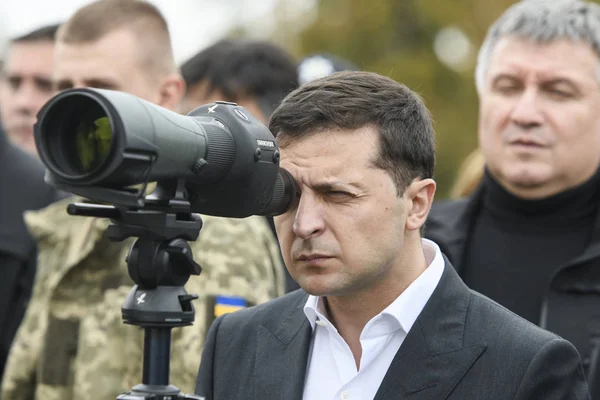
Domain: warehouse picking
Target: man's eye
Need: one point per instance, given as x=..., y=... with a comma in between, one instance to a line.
x=339, y=194
x=507, y=89
x=44, y=86
x=559, y=94
x=14, y=83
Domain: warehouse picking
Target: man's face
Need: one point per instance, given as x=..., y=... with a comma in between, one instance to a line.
x=112, y=62
x=346, y=231
x=539, y=121
x=25, y=86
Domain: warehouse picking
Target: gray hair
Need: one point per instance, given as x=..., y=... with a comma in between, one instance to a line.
x=542, y=21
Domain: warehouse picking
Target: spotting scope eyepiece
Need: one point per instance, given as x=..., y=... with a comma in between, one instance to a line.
x=108, y=145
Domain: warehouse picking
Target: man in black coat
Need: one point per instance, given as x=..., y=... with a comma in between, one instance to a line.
x=381, y=313
x=22, y=188
x=529, y=237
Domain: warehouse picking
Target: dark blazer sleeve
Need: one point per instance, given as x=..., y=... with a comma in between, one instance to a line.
x=555, y=373
x=205, y=379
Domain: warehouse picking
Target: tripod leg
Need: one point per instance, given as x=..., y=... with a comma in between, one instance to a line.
x=157, y=355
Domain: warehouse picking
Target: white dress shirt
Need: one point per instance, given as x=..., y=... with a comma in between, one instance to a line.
x=332, y=372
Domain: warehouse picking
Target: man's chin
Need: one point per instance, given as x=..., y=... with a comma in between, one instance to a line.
x=527, y=184
x=320, y=287
x=329, y=287
x=526, y=175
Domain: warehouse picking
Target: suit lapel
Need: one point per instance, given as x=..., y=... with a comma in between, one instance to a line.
x=432, y=358
x=282, y=355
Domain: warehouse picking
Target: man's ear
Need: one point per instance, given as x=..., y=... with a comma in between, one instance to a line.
x=171, y=92
x=420, y=197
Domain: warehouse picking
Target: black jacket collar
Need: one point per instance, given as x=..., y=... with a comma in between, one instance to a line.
x=451, y=221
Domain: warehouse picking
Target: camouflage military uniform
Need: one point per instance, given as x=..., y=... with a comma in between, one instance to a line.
x=72, y=343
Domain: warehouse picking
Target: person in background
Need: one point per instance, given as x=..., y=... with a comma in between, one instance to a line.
x=22, y=188
x=529, y=236
x=26, y=84
x=255, y=74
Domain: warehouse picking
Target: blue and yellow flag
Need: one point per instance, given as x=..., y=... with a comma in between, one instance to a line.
x=228, y=304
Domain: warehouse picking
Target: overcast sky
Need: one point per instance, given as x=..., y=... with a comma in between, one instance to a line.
x=194, y=24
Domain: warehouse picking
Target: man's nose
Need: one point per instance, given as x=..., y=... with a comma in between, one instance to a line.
x=526, y=111
x=308, y=221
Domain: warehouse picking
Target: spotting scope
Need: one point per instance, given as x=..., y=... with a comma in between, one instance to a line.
x=108, y=146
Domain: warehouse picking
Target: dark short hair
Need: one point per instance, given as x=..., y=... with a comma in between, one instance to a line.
x=199, y=67
x=45, y=33
x=351, y=100
x=240, y=68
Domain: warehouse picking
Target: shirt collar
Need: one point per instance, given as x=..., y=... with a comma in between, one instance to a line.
x=407, y=307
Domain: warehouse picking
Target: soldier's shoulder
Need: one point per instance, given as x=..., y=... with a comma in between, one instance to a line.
x=250, y=224
x=253, y=229
x=272, y=311
x=54, y=220
x=57, y=209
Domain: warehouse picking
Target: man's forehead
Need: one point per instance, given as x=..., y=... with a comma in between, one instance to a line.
x=340, y=156
x=119, y=46
x=29, y=47
x=29, y=55
x=334, y=141
x=324, y=176
x=561, y=58
x=91, y=61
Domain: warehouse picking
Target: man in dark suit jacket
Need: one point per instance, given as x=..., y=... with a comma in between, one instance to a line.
x=381, y=314
x=529, y=236
x=22, y=188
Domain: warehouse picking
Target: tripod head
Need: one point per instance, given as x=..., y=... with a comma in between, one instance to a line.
x=160, y=262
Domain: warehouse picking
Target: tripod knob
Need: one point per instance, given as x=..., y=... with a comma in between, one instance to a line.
x=186, y=301
x=180, y=252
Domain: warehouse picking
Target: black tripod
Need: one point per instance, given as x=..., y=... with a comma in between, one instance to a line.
x=160, y=262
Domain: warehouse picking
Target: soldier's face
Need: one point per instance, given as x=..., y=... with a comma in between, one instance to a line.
x=25, y=86
x=112, y=62
x=539, y=123
x=347, y=229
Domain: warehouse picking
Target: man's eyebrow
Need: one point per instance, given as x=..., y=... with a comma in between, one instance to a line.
x=63, y=84
x=559, y=81
x=43, y=81
x=66, y=83
x=101, y=83
x=13, y=78
x=334, y=185
x=506, y=75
